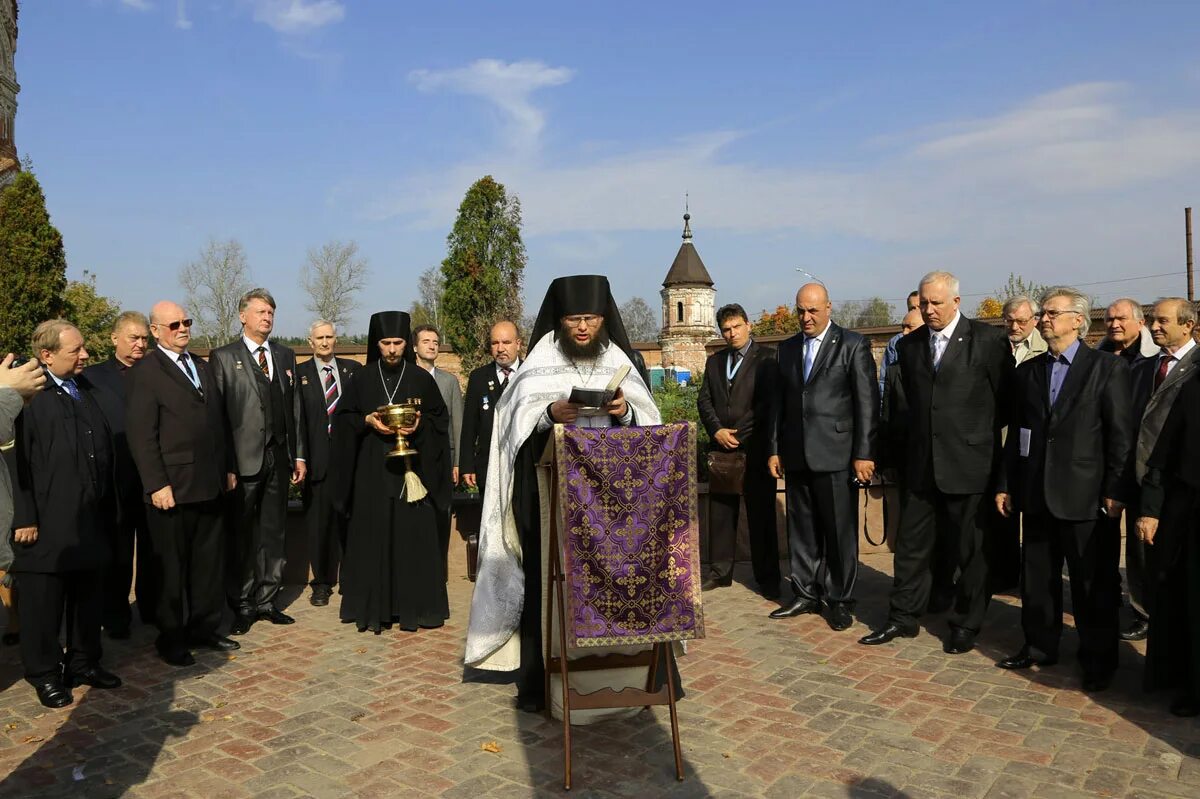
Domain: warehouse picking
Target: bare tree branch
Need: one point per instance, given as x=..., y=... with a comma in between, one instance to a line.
x=332, y=276
x=213, y=284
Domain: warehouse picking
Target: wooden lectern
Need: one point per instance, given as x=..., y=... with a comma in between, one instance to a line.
x=659, y=655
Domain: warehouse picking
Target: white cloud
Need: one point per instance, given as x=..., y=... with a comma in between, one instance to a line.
x=182, y=22
x=138, y=5
x=298, y=16
x=508, y=86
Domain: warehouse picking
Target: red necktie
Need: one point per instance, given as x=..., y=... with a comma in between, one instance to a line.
x=1163, y=364
x=262, y=361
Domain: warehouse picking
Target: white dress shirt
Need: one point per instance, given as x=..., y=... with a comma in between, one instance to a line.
x=1178, y=354
x=940, y=339
x=253, y=347
x=191, y=373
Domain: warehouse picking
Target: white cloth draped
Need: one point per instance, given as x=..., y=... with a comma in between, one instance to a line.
x=546, y=376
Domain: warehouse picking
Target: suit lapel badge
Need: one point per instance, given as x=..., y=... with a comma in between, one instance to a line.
x=304, y=380
x=491, y=385
x=288, y=372
x=237, y=364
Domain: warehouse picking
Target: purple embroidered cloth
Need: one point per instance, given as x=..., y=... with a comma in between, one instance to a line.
x=629, y=532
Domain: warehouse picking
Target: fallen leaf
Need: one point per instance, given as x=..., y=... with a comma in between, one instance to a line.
x=725, y=754
x=491, y=746
x=32, y=739
x=12, y=725
x=233, y=657
x=361, y=650
x=228, y=718
x=219, y=704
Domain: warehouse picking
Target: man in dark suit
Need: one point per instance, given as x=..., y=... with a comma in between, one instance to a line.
x=952, y=378
x=484, y=387
x=130, y=334
x=64, y=508
x=1066, y=465
x=734, y=404
x=824, y=420
x=257, y=379
x=427, y=344
x=175, y=425
x=323, y=381
x=1156, y=384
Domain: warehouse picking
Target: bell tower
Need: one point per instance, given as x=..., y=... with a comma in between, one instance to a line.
x=688, y=316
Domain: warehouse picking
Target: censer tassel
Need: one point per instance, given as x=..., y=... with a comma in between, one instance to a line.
x=414, y=489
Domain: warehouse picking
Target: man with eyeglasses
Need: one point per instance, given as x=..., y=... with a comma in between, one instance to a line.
x=1021, y=315
x=179, y=440
x=579, y=341
x=130, y=335
x=257, y=379
x=1066, y=462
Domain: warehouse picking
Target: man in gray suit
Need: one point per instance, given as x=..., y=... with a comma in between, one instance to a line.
x=427, y=343
x=1156, y=384
x=823, y=428
x=257, y=379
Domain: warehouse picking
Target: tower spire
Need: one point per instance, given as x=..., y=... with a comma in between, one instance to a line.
x=687, y=227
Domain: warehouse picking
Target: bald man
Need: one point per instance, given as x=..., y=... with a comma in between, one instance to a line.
x=823, y=427
x=484, y=387
x=180, y=442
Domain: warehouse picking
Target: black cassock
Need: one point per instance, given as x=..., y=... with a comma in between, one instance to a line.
x=391, y=572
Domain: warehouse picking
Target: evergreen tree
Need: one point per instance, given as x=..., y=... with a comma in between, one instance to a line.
x=33, y=263
x=93, y=314
x=483, y=269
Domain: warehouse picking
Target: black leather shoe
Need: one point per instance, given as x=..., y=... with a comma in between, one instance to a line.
x=217, y=643
x=94, y=676
x=799, y=607
x=1095, y=683
x=176, y=657
x=276, y=616
x=712, y=582
x=886, y=634
x=320, y=596
x=959, y=642
x=1185, y=707
x=241, y=624
x=52, y=693
x=1024, y=659
x=840, y=617
x=1136, y=631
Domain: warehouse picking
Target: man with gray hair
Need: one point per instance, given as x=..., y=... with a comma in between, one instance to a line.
x=1128, y=335
x=1021, y=315
x=257, y=379
x=1156, y=384
x=130, y=335
x=1066, y=469
x=323, y=382
x=945, y=416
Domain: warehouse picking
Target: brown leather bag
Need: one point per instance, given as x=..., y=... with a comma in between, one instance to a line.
x=726, y=472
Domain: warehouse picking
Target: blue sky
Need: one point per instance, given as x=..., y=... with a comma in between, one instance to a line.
x=867, y=143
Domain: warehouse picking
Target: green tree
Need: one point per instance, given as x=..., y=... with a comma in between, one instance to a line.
x=782, y=321
x=874, y=312
x=677, y=403
x=92, y=313
x=33, y=263
x=483, y=269
x=431, y=285
x=1016, y=286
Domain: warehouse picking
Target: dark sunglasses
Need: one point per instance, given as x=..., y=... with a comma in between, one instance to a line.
x=177, y=324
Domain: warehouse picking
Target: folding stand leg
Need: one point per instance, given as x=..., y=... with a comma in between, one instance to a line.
x=672, y=671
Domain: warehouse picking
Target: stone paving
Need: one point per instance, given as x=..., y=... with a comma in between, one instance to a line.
x=773, y=709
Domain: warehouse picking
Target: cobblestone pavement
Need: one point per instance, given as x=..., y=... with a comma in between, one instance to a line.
x=773, y=709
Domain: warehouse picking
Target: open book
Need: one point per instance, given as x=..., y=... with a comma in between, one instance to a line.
x=594, y=398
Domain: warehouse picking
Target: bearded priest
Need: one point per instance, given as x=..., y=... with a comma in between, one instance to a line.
x=578, y=341
x=392, y=570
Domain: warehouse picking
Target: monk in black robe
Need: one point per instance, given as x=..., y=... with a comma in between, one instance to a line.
x=1170, y=523
x=392, y=572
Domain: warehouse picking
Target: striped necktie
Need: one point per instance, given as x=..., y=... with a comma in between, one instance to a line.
x=262, y=362
x=331, y=398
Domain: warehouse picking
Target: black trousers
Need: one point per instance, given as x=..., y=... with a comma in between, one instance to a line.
x=930, y=519
x=326, y=533
x=1092, y=550
x=1002, y=539
x=189, y=548
x=724, y=509
x=258, y=553
x=129, y=534
x=443, y=534
x=822, y=523
x=1135, y=565
x=52, y=602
